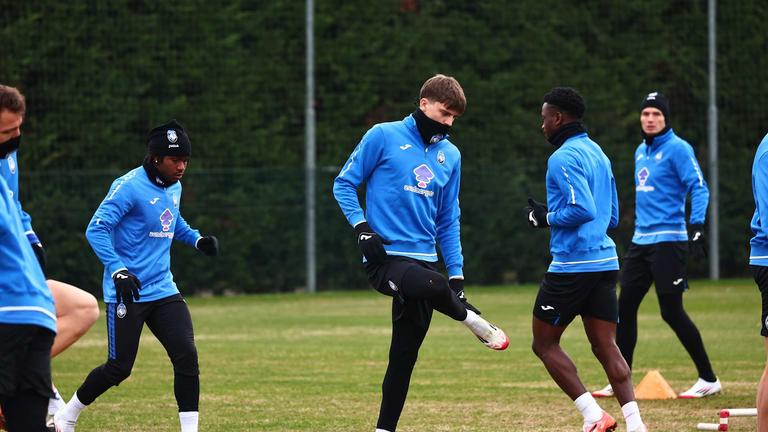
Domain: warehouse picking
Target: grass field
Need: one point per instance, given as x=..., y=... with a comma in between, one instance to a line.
x=315, y=363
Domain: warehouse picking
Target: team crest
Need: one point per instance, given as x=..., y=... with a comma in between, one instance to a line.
x=172, y=137
x=440, y=157
x=11, y=164
x=121, y=310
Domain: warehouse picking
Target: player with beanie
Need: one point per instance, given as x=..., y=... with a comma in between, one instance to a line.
x=131, y=233
x=666, y=173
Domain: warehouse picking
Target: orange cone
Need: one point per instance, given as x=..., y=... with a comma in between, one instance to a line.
x=653, y=386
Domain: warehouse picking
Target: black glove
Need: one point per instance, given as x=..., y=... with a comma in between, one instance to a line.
x=697, y=243
x=537, y=213
x=209, y=245
x=457, y=285
x=127, y=286
x=370, y=243
x=37, y=247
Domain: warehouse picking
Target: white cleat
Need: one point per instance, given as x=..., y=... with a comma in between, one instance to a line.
x=606, y=391
x=702, y=389
x=62, y=424
x=492, y=337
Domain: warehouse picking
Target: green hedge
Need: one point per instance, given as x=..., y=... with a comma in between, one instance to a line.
x=98, y=75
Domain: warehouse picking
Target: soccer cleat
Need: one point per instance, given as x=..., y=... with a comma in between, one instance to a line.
x=61, y=424
x=490, y=335
x=605, y=424
x=702, y=389
x=606, y=391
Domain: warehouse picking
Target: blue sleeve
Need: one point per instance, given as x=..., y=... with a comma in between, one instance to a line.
x=614, y=205
x=448, y=225
x=760, y=188
x=569, y=175
x=690, y=175
x=109, y=214
x=182, y=232
x=355, y=172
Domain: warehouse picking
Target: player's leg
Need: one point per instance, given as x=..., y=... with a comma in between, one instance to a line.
x=760, y=274
x=124, y=325
x=25, y=376
x=669, y=273
x=419, y=282
x=762, y=396
x=171, y=322
x=636, y=280
x=408, y=332
x=76, y=311
x=599, y=318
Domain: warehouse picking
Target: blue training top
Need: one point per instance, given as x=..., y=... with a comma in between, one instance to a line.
x=133, y=229
x=9, y=170
x=758, y=254
x=583, y=204
x=24, y=294
x=665, y=173
x=412, y=192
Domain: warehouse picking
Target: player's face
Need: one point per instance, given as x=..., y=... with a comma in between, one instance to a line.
x=551, y=119
x=172, y=167
x=10, y=125
x=652, y=120
x=438, y=112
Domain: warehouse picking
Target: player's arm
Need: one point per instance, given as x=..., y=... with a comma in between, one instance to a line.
x=208, y=245
x=448, y=226
x=761, y=190
x=355, y=172
x=572, y=183
x=117, y=204
x=691, y=176
x=34, y=241
x=614, y=204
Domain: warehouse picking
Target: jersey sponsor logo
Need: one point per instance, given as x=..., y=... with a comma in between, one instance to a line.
x=677, y=282
x=364, y=237
x=11, y=164
x=440, y=157
x=153, y=200
x=392, y=286
x=547, y=307
x=424, y=175
x=172, y=137
x=766, y=322
x=166, y=219
x=642, y=178
x=405, y=147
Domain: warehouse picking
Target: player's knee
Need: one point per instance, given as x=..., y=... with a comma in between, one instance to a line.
x=116, y=372
x=404, y=356
x=185, y=362
x=88, y=312
x=672, y=316
x=541, y=348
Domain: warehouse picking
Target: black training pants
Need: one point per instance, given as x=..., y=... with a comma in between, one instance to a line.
x=170, y=321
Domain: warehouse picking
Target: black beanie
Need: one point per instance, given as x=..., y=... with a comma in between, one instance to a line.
x=169, y=139
x=658, y=101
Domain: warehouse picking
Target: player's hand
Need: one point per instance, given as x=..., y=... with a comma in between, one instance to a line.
x=697, y=242
x=209, y=245
x=127, y=286
x=457, y=286
x=536, y=213
x=37, y=247
x=370, y=243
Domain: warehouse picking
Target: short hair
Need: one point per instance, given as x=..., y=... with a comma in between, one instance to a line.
x=446, y=90
x=12, y=100
x=568, y=100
